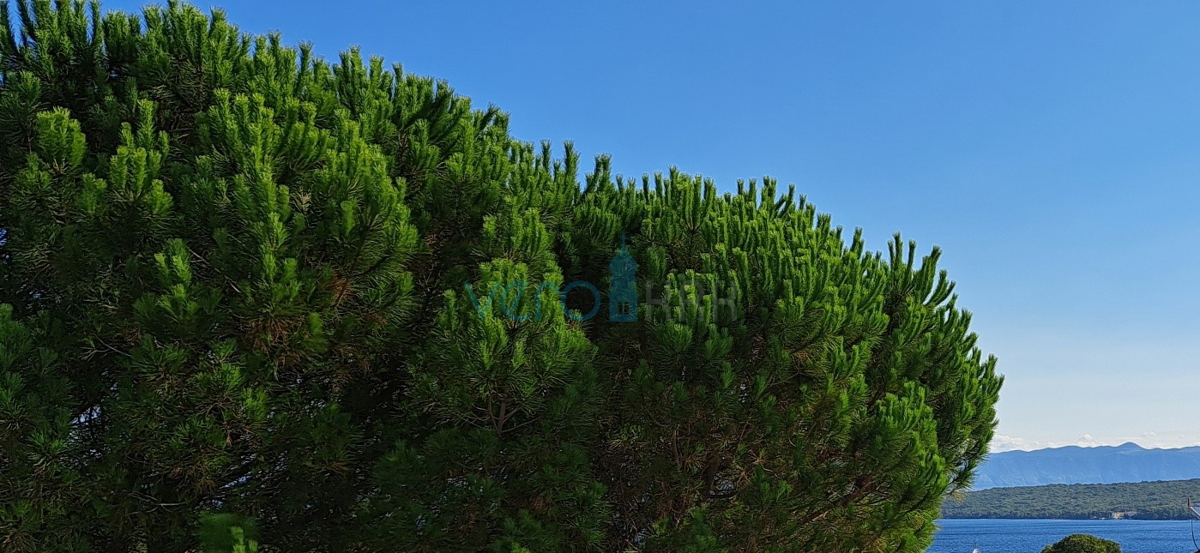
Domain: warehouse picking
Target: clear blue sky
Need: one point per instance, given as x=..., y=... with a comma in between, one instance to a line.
x=1052, y=149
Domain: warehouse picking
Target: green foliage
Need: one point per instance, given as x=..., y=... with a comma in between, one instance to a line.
x=233, y=283
x=1141, y=500
x=1083, y=543
x=225, y=533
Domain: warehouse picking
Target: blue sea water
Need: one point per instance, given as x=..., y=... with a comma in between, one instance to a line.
x=1030, y=536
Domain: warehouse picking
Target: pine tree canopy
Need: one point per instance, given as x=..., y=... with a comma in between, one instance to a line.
x=245, y=292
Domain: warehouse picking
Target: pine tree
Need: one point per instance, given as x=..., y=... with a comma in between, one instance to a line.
x=240, y=283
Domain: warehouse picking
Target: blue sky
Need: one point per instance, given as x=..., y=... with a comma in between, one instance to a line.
x=1052, y=149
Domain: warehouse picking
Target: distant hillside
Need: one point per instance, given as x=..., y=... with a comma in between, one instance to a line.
x=1143, y=500
x=1087, y=465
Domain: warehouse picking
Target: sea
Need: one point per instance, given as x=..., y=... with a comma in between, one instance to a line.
x=1030, y=536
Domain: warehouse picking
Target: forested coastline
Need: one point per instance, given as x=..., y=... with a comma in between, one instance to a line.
x=1166, y=500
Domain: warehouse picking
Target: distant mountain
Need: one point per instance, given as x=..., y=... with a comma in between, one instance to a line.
x=1087, y=465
